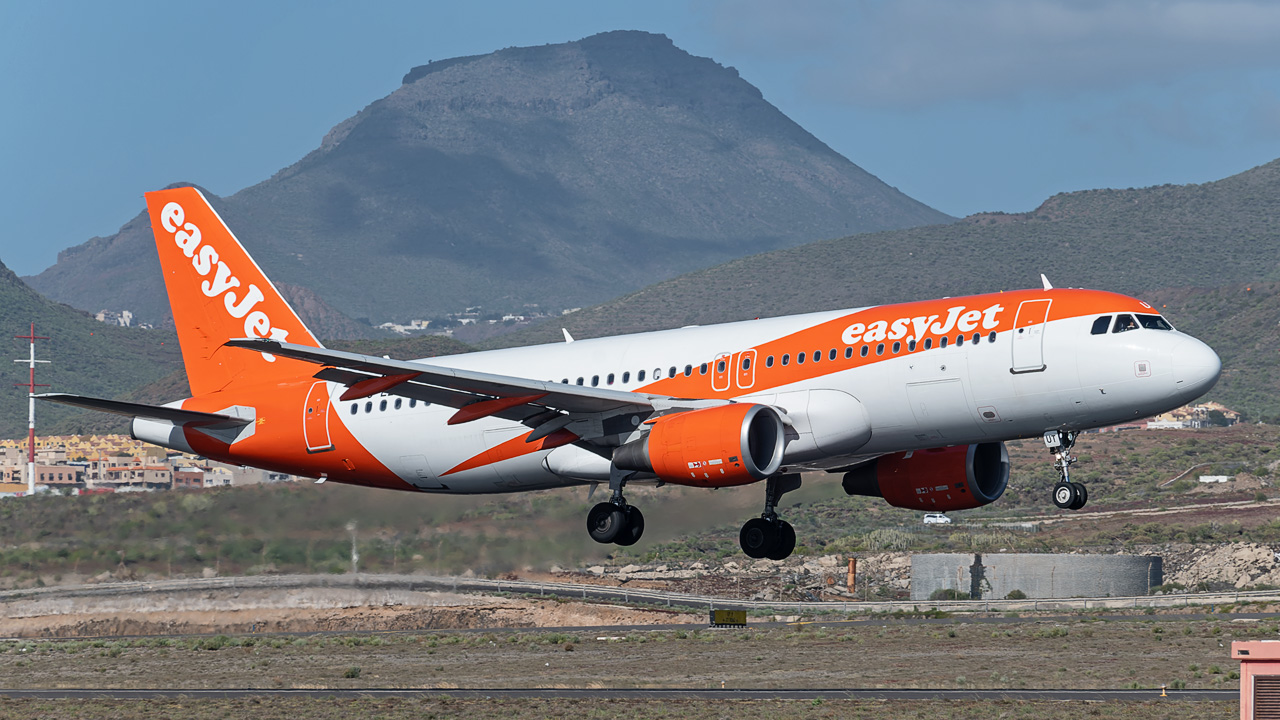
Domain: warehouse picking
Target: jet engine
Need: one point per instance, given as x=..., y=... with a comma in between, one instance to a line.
x=718, y=446
x=941, y=479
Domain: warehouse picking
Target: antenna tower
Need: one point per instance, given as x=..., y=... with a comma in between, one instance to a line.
x=31, y=386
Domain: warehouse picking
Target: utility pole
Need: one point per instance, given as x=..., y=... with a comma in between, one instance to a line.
x=31, y=406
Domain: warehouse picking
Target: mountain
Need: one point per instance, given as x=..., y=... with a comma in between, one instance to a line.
x=1132, y=241
x=86, y=357
x=559, y=175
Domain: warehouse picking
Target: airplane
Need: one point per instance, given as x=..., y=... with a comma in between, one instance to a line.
x=911, y=402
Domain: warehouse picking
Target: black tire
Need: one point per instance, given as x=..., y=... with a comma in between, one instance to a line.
x=1082, y=496
x=630, y=534
x=605, y=522
x=758, y=537
x=786, y=542
x=1064, y=495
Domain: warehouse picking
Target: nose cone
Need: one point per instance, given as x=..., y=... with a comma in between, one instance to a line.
x=1196, y=368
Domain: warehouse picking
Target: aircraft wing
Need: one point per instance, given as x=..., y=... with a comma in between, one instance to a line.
x=504, y=396
x=156, y=412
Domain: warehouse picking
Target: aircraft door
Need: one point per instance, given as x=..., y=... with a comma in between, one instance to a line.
x=722, y=370
x=1028, y=336
x=315, y=419
x=746, y=364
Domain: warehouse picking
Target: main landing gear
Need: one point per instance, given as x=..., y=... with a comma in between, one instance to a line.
x=1066, y=494
x=615, y=521
x=768, y=536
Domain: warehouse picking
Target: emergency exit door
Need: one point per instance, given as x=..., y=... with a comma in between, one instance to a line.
x=315, y=419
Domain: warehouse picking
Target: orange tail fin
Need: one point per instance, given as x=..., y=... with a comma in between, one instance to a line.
x=218, y=293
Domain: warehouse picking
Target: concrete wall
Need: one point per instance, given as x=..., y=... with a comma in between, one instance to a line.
x=993, y=576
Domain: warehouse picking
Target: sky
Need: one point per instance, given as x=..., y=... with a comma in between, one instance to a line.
x=968, y=107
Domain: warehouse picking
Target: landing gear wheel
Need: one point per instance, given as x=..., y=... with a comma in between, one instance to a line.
x=758, y=537
x=1064, y=495
x=1082, y=495
x=786, y=542
x=606, y=522
x=633, y=529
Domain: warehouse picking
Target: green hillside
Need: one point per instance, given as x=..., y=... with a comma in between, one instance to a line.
x=87, y=356
x=1131, y=241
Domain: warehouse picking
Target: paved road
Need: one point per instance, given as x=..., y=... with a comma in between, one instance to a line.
x=648, y=694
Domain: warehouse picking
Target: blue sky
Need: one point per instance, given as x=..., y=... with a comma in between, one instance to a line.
x=966, y=106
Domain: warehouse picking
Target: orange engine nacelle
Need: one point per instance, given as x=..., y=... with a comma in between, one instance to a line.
x=714, y=447
x=942, y=479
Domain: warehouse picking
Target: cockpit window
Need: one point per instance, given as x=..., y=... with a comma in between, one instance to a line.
x=1124, y=323
x=1154, y=322
x=1100, y=325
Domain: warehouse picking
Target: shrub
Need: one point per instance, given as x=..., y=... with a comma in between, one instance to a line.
x=947, y=594
x=352, y=672
x=1016, y=595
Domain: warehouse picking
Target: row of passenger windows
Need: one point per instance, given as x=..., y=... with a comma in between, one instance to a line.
x=800, y=359
x=382, y=405
x=1127, y=322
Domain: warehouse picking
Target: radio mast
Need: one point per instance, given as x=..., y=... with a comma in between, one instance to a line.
x=31, y=386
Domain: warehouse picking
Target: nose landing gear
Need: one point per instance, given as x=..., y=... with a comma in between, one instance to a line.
x=769, y=536
x=1067, y=495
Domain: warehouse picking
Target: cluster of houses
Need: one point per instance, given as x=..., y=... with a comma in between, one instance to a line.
x=115, y=463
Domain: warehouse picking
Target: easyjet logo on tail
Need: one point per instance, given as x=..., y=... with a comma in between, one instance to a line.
x=960, y=318
x=239, y=302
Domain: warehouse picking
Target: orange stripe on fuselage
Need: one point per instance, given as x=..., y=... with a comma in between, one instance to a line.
x=515, y=447
x=278, y=442
x=929, y=319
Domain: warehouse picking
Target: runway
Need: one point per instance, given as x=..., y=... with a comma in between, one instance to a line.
x=642, y=694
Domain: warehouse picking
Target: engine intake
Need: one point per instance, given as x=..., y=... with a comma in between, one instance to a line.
x=942, y=479
x=713, y=447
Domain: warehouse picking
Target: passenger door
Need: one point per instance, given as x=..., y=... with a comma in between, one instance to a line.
x=1028, y=336
x=315, y=419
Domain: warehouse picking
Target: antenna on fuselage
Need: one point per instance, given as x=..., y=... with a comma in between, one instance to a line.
x=1047, y=285
x=567, y=337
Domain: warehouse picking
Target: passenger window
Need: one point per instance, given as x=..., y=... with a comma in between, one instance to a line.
x=626, y=377
x=382, y=406
x=672, y=372
x=942, y=342
x=355, y=408
x=368, y=407
x=1100, y=325
x=1154, y=322
x=768, y=362
x=865, y=350
x=609, y=380
x=702, y=369
x=413, y=403
x=911, y=345
x=786, y=359
x=897, y=346
x=565, y=381
x=831, y=355
x=992, y=337
x=579, y=381
x=397, y=403
x=817, y=355
x=959, y=340
x=1125, y=323
x=720, y=366
x=800, y=358
x=746, y=363
x=688, y=370
x=928, y=343
x=640, y=376
x=595, y=381
x=848, y=353
x=977, y=338
x=880, y=349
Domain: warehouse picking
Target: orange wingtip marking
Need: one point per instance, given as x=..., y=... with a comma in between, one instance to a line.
x=485, y=408
x=515, y=447
x=373, y=386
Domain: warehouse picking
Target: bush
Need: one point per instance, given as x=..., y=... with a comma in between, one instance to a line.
x=947, y=594
x=352, y=672
x=1016, y=595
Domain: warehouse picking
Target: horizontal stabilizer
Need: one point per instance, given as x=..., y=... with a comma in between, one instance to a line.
x=155, y=412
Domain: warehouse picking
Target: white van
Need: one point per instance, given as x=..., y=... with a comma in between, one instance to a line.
x=936, y=519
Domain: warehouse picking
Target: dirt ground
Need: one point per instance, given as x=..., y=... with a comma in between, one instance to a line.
x=304, y=610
